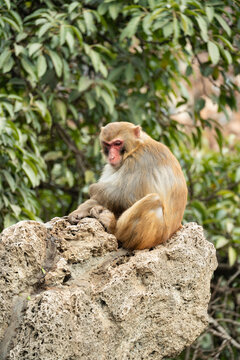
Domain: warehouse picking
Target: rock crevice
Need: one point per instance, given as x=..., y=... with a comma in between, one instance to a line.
x=68, y=292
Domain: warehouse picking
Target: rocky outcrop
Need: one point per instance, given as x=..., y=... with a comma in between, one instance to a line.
x=67, y=293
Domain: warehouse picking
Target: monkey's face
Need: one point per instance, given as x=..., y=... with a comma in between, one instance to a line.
x=114, y=151
x=117, y=139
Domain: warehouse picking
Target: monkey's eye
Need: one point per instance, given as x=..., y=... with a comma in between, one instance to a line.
x=106, y=145
x=118, y=143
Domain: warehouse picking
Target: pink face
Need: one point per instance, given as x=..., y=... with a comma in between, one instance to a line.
x=113, y=151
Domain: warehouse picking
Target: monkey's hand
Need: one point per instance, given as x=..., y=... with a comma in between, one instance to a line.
x=105, y=217
x=82, y=211
x=75, y=216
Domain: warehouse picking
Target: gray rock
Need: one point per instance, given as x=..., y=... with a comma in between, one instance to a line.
x=67, y=293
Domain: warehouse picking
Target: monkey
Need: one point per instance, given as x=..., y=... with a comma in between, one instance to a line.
x=142, y=193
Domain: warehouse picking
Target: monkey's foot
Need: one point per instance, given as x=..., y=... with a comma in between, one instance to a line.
x=105, y=217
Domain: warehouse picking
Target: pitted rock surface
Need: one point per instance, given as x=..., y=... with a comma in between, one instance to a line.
x=67, y=292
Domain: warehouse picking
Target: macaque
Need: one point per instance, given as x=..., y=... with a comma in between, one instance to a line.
x=141, y=194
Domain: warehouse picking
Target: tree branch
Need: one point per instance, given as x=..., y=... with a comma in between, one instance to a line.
x=221, y=332
x=80, y=159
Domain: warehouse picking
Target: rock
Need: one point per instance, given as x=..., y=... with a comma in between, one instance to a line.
x=68, y=293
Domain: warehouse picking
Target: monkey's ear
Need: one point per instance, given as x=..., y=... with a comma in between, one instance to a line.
x=137, y=131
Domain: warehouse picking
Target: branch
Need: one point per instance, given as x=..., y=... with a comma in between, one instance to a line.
x=209, y=78
x=221, y=332
x=214, y=195
x=72, y=146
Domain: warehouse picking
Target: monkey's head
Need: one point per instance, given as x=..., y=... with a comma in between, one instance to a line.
x=117, y=139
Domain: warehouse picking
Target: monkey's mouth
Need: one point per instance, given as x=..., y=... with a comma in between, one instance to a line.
x=116, y=164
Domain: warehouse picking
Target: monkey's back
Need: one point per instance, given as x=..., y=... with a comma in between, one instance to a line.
x=150, y=169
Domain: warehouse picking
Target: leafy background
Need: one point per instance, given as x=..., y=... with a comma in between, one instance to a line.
x=68, y=67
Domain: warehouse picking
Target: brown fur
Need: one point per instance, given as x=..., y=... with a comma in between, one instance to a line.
x=146, y=192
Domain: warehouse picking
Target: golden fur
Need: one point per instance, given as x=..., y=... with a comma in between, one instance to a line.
x=146, y=192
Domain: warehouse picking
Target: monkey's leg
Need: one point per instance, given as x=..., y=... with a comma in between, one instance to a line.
x=142, y=226
x=82, y=211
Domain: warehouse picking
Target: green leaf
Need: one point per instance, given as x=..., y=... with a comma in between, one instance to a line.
x=53, y=155
x=227, y=56
x=8, y=65
x=8, y=3
x=61, y=109
x=88, y=18
x=29, y=68
x=84, y=83
x=16, y=209
x=114, y=10
x=199, y=104
x=18, y=106
x=146, y=24
x=210, y=13
x=43, y=110
x=129, y=73
x=221, y=241
x=28, y=169
x=200, y=206
x=8, y=220
x=226, y=42
x=78, y=34
x=43, y=29
x=8, y=107
x=17, y=18
x=102, y=8
x=103, y=70
x=90, y=101
x=175, y=28
x=203, y=27
x=116, y=73
x=109, y=101
x=57, y=62
x=18, y=49
x=226, y=193
x=63, y=30
x=223, y=23
x=10, y=180
x=219, y=137
x=41, y=65
x=70, y=40
x=89, y=177
x=213, y=52
x=168, y=30
x=186, y=24
x=73, y=6
x=131, y=28
x=232, y=255
x=4, y=57
x=29, y=213
x=237, y=175
x=32, y=48
x=11, y=22
x=95, y=58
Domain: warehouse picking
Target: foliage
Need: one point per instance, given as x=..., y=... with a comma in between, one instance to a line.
x=67, y=67
x=214, y=197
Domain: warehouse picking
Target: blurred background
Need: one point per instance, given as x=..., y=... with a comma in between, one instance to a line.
x=69, y=67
